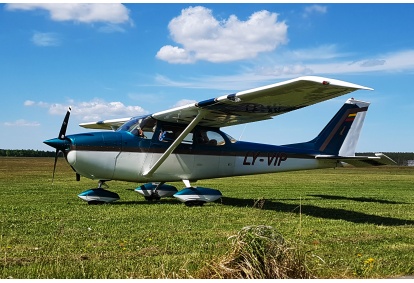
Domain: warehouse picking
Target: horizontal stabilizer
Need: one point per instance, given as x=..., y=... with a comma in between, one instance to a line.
x=361, y=161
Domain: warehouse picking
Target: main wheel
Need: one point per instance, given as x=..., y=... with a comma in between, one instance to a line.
x=195, y=203
x=153, y=197
x=95, y=202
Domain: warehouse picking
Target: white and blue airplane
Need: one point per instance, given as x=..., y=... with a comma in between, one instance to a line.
x=186, y=143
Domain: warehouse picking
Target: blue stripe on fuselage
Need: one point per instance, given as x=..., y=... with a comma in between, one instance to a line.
x=126, y=142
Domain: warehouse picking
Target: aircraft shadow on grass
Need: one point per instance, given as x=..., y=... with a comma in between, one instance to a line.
x=315, y=211
x=310, y=210
x=359, y=199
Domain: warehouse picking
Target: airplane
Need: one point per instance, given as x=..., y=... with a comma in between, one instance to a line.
x=187, y=144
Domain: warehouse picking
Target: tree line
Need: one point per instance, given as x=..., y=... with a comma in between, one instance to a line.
x=26, y=153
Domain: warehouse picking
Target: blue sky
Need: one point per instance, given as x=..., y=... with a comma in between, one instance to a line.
x=120, y=60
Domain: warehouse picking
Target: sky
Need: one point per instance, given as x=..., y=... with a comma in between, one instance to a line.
x=121, y=60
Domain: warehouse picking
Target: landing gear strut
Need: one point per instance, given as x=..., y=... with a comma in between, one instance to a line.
x=154, y=196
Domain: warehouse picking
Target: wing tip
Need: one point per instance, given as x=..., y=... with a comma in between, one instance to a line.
x=329, y=81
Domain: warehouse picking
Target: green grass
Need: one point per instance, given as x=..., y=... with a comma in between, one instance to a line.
x=347, y=222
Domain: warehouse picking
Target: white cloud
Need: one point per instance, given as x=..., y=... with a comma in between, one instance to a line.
x=175, y=55
x=29, y=103
x=315, y=9
x=342, y=64
x=22, y=123
x=392, y=62
x=45, y=39
x=79, y=12
x=372, y=63
x=323, y=52
x=203, y=37
x=285, y=70
x=163, y=80
x=268, y=71
x=96, y=109
x=183, y=102
x=111, y=28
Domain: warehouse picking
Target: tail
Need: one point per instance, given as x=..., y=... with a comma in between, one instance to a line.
x=340, y=136
x=338, y=140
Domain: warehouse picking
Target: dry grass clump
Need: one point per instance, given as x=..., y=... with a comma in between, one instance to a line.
x=258, y=252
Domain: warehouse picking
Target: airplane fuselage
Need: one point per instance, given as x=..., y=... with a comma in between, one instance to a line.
x=123, y=156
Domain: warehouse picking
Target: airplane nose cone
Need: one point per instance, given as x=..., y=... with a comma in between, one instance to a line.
x=58, y=143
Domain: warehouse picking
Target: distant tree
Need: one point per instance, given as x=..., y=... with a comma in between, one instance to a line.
x=26, y=153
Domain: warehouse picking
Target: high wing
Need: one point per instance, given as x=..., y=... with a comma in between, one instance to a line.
x=112, y=124
x=250, y=105
x=260, y=103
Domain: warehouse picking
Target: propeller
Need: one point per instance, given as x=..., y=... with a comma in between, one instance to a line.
x=62, y=133
x=60, y=143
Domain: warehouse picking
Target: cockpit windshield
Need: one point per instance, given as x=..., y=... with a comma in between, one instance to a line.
x=143, y=126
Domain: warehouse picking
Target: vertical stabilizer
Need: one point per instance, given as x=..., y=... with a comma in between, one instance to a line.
x=340, y=136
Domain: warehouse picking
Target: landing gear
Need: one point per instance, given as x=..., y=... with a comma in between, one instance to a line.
x=95, y=202
x=190, y=196
x=99, y=195
x=194, y=203
x=156, y=191
x=153, y=197
x=197, y=196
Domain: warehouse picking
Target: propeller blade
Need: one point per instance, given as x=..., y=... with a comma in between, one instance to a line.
x=60, y=142
x=54, y=165
x=62, y=132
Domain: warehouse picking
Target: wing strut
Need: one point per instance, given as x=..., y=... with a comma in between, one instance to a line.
x=180, y=138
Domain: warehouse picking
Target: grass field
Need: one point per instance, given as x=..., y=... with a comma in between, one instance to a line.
x=347, y=223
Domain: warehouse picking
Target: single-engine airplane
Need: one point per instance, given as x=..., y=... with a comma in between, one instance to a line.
x=186, y=143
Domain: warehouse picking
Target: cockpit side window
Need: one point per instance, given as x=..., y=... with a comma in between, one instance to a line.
x=141, y=126
x=209, y=138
